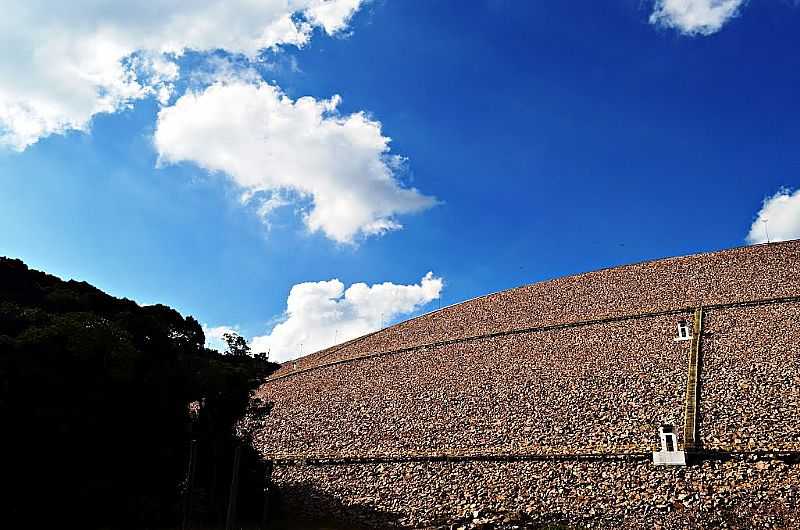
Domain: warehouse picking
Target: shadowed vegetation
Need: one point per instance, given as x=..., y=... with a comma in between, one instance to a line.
x=95, y=397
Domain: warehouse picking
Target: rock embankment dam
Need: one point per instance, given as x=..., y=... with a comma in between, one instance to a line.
x=545, y=401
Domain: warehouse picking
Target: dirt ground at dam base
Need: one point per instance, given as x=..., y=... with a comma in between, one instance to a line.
x=737, y=492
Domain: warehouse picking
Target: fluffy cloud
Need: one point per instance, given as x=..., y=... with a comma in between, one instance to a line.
x=267, y=143
x=214, y=335
x=68, y=61
x=695, y=17
x=779, y=216
x=320, y=314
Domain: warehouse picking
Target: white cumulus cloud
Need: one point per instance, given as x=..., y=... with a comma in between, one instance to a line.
x=779, y=218
x=267, y=143
x=214, y=335
x=64, y=62
x=695, y=17
x=321, y=314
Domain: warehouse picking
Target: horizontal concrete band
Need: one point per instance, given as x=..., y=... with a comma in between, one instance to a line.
x=539, y=329
x=334, y=460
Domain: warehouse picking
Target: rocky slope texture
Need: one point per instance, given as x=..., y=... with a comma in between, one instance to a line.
x=748, y=273
x=743, y=492
x=545, y=400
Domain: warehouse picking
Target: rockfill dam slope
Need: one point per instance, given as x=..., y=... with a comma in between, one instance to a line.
x=545, y=402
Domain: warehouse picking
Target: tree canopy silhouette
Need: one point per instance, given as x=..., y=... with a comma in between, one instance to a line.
x=95, y=396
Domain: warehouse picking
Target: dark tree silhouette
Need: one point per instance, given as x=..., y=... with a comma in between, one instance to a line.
x=99, y=399
x=237, y=346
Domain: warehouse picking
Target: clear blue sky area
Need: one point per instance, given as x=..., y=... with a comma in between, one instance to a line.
x=560, y=137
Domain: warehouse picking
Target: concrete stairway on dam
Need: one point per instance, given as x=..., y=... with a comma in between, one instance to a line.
x=693, y=385
x=670, y=455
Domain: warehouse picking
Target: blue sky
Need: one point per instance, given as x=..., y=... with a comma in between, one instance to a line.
x=542, y=139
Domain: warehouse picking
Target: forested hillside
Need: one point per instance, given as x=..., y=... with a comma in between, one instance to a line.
x=95, y=397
